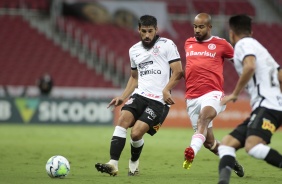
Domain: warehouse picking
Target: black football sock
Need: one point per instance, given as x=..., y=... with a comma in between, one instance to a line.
x=117, y=145
x=136, y=152
x=274, y=158
x=225, y=167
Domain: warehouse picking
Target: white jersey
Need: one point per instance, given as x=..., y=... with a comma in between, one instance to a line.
x=153, y=67
x=263, y=88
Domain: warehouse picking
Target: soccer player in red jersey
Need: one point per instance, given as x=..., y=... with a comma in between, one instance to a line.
x=205, y=56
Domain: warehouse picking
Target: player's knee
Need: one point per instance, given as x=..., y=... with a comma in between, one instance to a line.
x=135, y=135
x=248, y=147
x=250, y=144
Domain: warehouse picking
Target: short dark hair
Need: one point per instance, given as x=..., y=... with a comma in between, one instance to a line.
x=241, y=24
x=147, y=20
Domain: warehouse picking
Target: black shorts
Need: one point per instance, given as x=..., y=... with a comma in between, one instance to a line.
x=263, y=123
x=147, y=110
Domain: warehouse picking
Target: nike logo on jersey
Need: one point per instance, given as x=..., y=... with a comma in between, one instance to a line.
x=190, y=47
x=150, y=118
x=137, y=55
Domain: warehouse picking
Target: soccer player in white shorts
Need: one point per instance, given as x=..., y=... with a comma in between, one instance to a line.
x=204, y=81
x=196, y=105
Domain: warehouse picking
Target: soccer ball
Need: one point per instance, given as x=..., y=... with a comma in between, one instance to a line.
x=57, y=167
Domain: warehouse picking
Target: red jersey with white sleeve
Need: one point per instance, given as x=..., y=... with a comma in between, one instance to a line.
x=204, y=65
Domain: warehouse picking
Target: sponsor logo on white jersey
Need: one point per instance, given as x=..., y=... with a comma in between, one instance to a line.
x=152, y=71
x=145, y=65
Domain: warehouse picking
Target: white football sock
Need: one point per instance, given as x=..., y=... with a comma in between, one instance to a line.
x=259, y=151
x=197, y=142
x=226, y=150
x=120, y=132
x=137, y=144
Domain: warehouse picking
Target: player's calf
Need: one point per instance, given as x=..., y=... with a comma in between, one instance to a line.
x=212, y=147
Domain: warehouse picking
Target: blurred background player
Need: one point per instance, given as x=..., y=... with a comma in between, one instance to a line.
x=45, y=84
x=152, y=60
x=262, y=77
x=204, y=86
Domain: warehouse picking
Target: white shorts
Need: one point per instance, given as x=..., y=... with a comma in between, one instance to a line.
x=195, y=105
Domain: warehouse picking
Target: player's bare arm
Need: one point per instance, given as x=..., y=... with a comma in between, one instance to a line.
x=280, y=78
x=177, y=74
x=249, y=67
x=131, y=85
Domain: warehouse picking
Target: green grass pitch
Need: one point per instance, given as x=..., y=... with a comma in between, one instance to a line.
x=25, y=149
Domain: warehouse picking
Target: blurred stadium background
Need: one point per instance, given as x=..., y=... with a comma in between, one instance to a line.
x=84, y=46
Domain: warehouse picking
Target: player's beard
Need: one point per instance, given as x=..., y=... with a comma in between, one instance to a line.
x=150, y=44
x=201, y=37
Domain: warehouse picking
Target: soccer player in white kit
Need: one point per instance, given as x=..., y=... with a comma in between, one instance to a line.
x=155, y=69
x=260, y=74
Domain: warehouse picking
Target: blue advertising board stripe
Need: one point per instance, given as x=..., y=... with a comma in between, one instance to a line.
x=55, y=111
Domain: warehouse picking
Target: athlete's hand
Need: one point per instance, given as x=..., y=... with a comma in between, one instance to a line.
x=167, y=98
x=228, y=98
x=115, y=102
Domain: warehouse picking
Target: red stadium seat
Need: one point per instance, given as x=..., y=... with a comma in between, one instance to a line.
x=239, y=7
x=26, y=54
x=211, y=7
